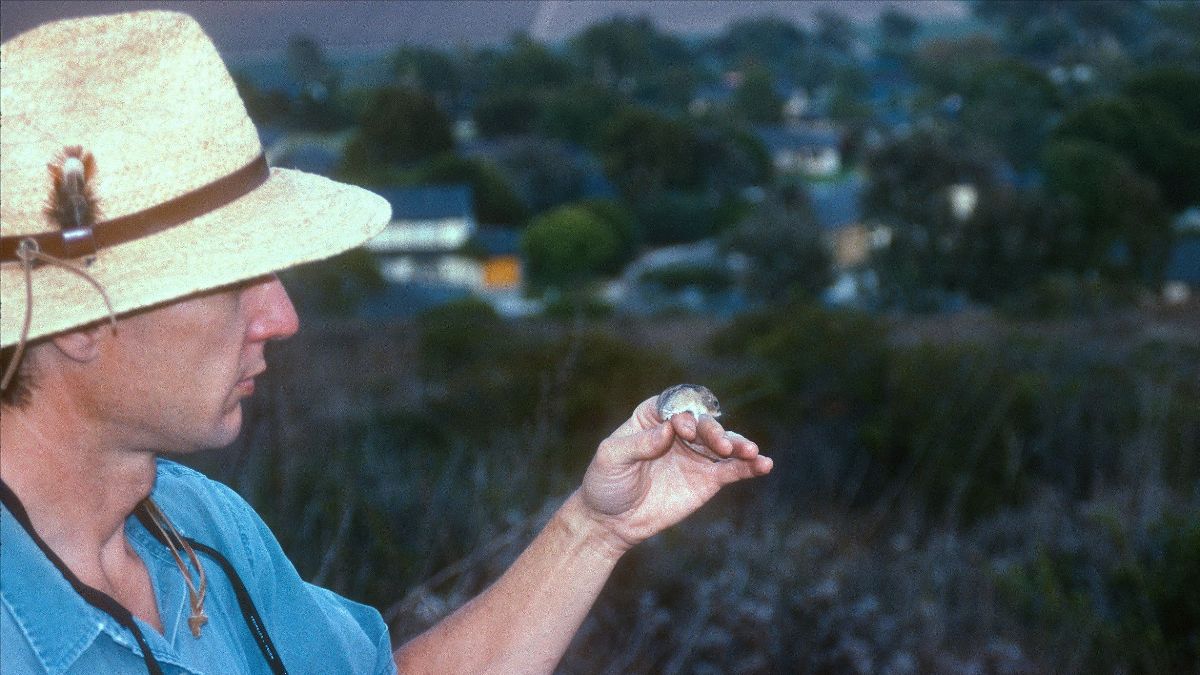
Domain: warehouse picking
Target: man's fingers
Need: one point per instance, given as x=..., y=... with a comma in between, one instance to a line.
x=643, y=445
x=708, y=432
x=743, y=447
x=645, y=437
x=731, y=471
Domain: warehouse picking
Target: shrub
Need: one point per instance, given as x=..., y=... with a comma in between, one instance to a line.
x=806, y=360
x=1134, y=609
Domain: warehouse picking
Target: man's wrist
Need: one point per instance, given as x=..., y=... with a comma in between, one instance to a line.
x=588, y=532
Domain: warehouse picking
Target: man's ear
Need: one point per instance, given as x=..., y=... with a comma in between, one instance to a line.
x=83, y=345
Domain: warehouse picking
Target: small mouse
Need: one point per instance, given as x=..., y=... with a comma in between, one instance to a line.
x=695, y=399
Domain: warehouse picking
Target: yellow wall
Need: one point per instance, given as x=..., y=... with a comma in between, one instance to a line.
x=502, y=272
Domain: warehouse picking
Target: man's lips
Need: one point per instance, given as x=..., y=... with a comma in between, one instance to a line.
x=246, y=384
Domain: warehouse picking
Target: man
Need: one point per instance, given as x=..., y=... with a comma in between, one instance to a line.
x=141, y=230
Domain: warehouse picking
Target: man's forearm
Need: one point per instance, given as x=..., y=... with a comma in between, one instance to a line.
x=524, y=622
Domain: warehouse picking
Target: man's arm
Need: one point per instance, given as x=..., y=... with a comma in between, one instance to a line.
x=641, y=481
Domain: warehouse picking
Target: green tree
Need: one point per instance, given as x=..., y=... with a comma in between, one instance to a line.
x=835, y=32
x=1045, y=29
x=402, y=126
x=579, y=114
x=676, y=216
x=507, y=113
x=632, y=56
x=1011, y=104
x=1118, y=207
x=909, y=190
x=771, y=41
x=1150, y=133
x=622, y=223
x=644, y=152
x=431, y=71
x=947, y=66
x=496, y=203
x=264, y=107
x=569, y=246
x=1171, y=88
x=308, y=66
x=625, y=47
x=315, y=107
x=1012, y=240
x=337, y=286
x=756, y=99
x=897, y=29
x=529, y=65
x=545, y=172
x=782, y=239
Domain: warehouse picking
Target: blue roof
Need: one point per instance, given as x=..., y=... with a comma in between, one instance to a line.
x=837, y=205
x=269, y=135
x=1185, y=261
x=427, y=202
x=499, y=240
x=785, y=138
x=311, y=158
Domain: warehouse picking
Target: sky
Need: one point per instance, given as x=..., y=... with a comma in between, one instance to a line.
x=263, y=26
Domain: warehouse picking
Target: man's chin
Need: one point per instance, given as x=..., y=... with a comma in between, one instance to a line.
x=223, y=433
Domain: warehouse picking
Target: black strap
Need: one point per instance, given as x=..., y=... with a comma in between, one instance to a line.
x=124, y=617
x=249, y=612
x=94, y=597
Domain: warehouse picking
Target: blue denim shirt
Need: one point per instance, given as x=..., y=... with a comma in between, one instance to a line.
x=46, y=628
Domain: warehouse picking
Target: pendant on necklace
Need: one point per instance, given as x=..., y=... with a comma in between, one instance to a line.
x=196, y=621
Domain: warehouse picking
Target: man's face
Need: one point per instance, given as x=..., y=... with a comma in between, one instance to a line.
x=173, y=378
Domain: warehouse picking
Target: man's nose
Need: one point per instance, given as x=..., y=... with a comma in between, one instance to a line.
x=273, y=317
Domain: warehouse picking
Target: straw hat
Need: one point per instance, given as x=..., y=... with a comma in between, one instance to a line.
x=184, y=200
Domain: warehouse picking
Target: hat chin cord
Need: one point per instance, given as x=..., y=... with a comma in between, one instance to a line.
x=175, y=541
x=29, y=252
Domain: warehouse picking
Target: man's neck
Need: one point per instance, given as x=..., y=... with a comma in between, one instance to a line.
x=77, y=489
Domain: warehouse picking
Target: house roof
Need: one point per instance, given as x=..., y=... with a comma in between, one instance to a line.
x=309, y=157
x=429, y=202
x=797, y=138
x=499, y=240
x=837, y=204
x=1184, y=264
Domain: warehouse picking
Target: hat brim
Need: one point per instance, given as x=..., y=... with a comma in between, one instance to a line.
x=291, y=219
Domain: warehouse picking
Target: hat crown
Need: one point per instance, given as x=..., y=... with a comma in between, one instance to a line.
x=145, y=93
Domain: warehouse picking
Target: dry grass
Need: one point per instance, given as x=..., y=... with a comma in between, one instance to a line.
x=832, y=565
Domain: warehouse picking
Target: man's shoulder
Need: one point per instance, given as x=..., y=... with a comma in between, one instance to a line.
x=179, y=485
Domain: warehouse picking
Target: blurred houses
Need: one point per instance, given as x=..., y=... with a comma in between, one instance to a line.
x=544, y=172
x=695, y=277
x=426, y=241
x=309, y=157
x=311, y=152
x=434, y=251
x=1181, y=279
x=805, y=150
x=837, y=206
x=502, y=267
x=713, y=98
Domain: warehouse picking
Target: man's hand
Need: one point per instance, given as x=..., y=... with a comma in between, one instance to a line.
x=643, y=479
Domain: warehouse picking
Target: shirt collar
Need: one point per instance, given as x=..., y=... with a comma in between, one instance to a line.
x=58, y=623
